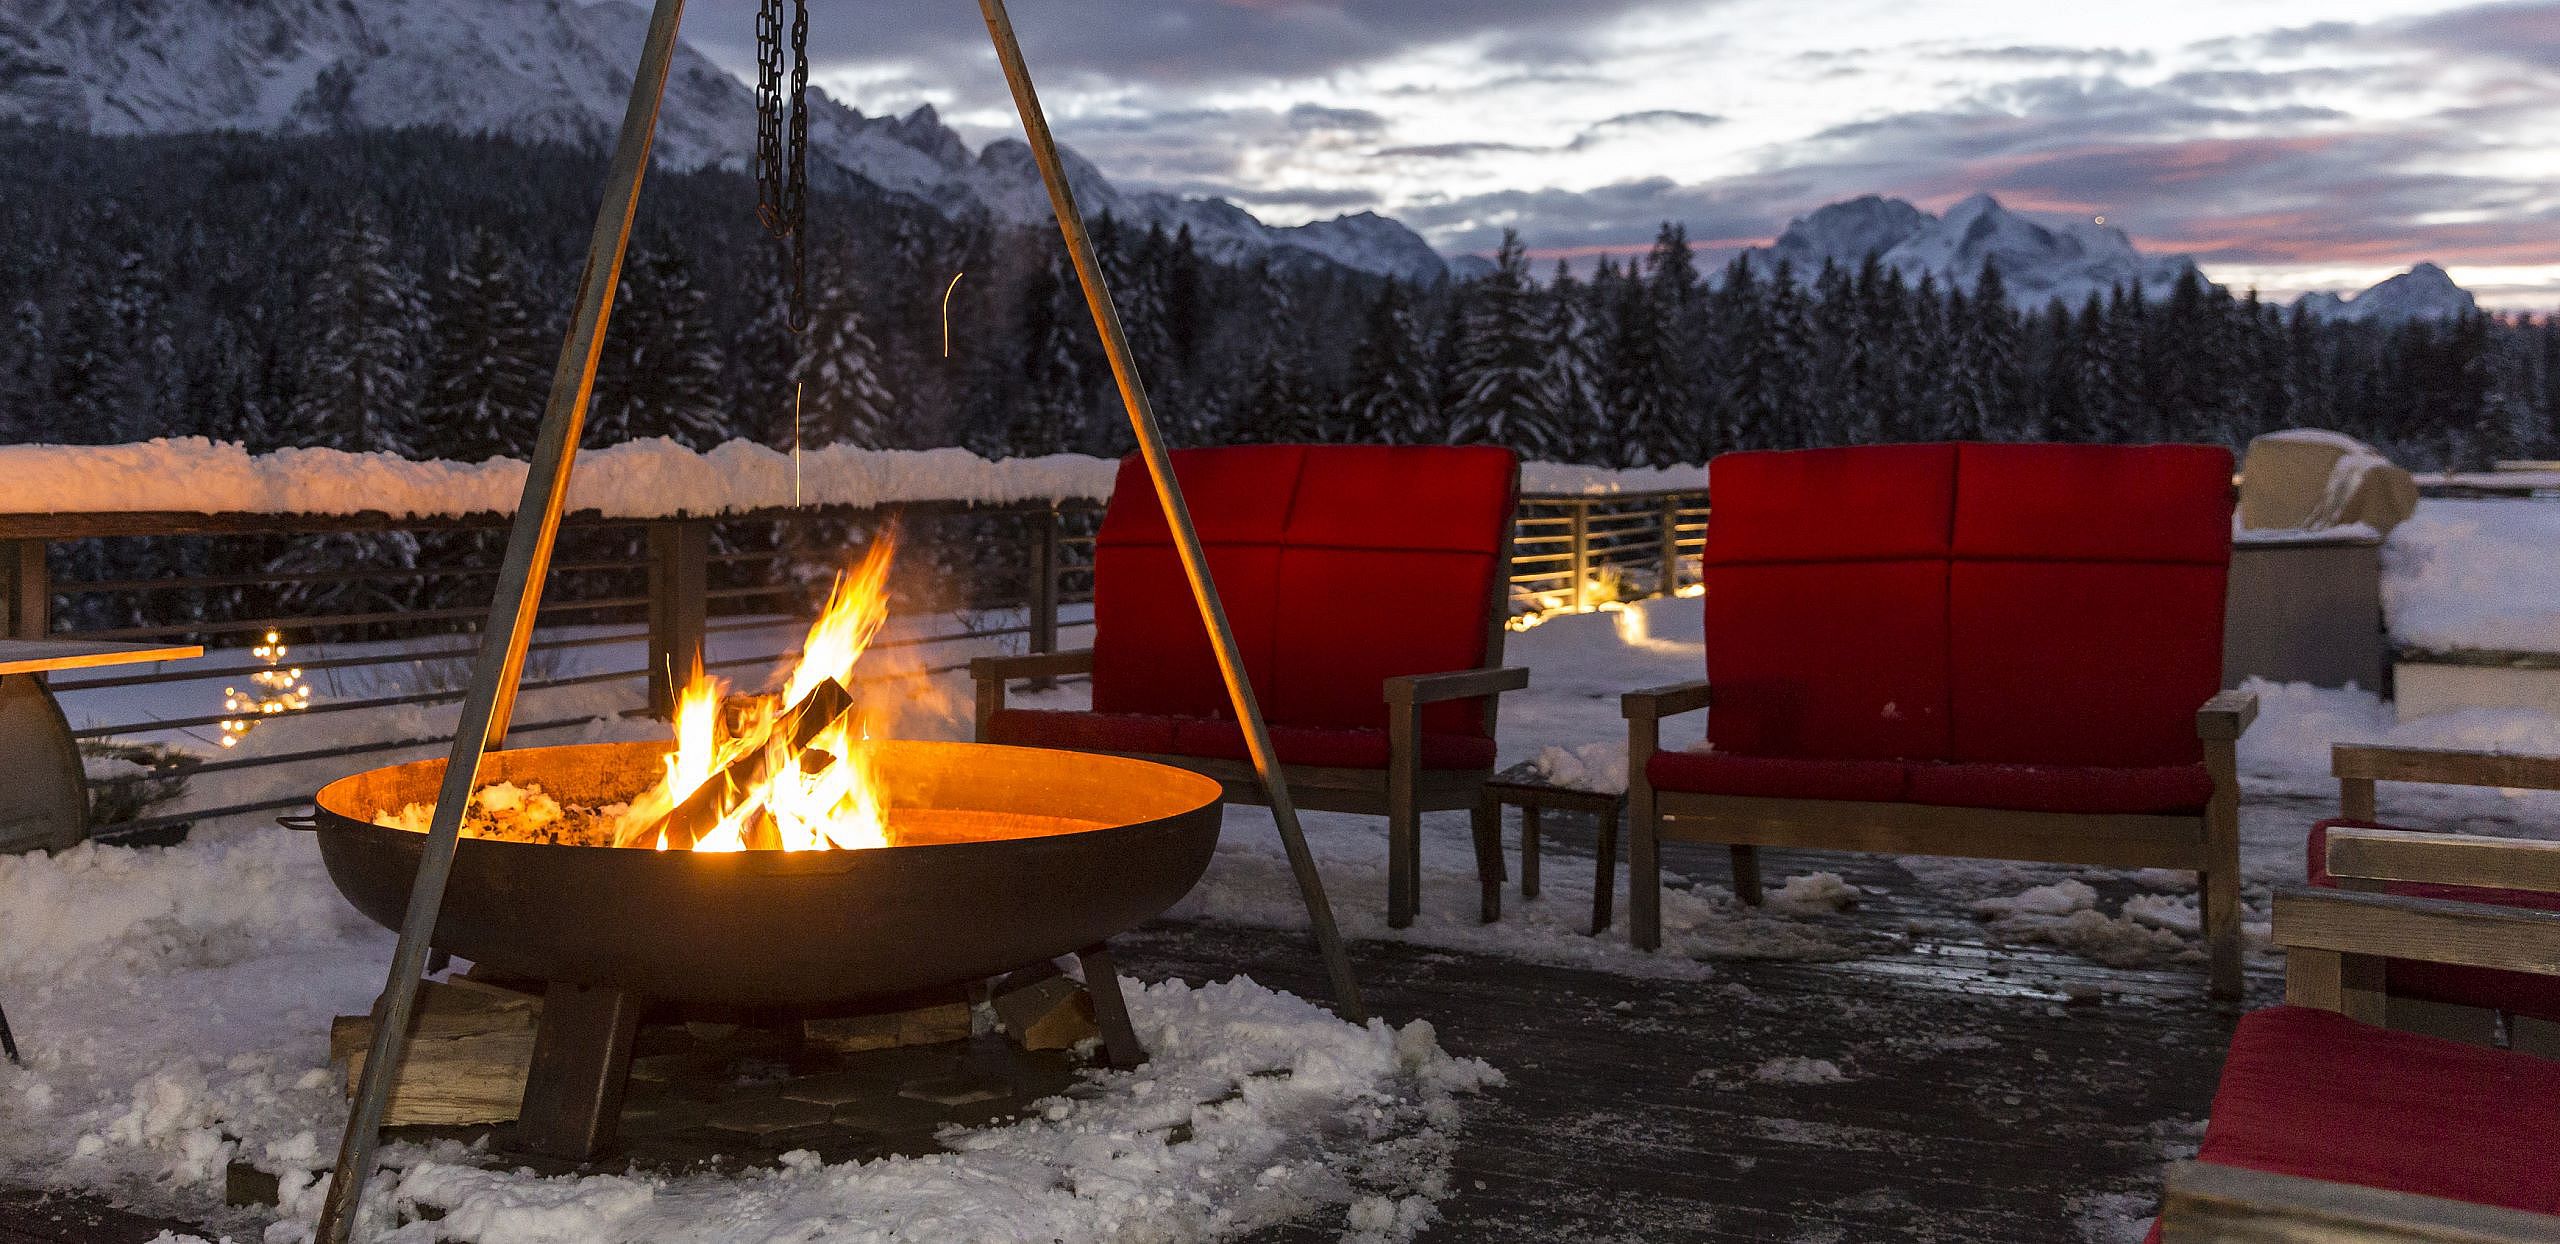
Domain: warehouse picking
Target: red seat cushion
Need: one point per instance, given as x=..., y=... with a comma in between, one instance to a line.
x=2315, y=1094
x=1777, y=777
x=2062, y=788
x=2521, y=993
x=1336, y=749
x=1307, y=544
x=1081, y=732
x=1206, y=737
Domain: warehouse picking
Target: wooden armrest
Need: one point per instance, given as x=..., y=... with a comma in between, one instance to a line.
x=1656, y=703
x=2208, y=1203
x=1031, y=665
x=1407, y=690
x=2481, y=935
x=2371, y=762
x=2227, y=715
x=2445, y=859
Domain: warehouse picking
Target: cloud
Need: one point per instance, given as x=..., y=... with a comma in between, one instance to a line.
x=1453, y=151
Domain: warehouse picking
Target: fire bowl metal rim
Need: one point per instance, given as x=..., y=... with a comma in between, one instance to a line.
x=328, y=803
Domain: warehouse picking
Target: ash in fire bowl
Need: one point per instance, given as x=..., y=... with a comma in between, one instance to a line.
x=507, y=812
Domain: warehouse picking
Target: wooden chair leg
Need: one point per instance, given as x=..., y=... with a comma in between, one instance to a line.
x=1644, y=870
x=1746, y=874
x=1604, y=885
x=1488, y=830
x=1530, y=826
x=1404, y=848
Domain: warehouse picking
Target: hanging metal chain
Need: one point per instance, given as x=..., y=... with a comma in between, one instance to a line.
x=782, y=148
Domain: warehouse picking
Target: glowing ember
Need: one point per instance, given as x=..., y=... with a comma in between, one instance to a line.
x=801, y=797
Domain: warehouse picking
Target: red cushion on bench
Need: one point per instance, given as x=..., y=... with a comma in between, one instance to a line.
x=2460, y=984
x=2112, y=503
x=1340, y=566
x=2063, y=788
x=2315, y=1094
x=1206, y=737
x=1828, y=660
x=1777, y=777
x=1333, y=749
x=1870, y=503
x=1082, y=732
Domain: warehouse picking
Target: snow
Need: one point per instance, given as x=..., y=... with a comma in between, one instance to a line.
x=2424, y=292
x=2475, y=574
x=652, y=478
x=2039, y=261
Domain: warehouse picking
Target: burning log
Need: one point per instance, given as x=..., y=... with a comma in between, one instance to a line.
x=798, y=727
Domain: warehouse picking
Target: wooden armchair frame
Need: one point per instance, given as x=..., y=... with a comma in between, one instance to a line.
x=2360, y=768
x=2206, y=842
x=2336, y=942
x=1401, y=792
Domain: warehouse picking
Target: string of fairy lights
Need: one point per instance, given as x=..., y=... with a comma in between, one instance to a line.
x=275, y=690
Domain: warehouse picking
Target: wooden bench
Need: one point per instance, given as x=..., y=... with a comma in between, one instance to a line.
x=1993, y=651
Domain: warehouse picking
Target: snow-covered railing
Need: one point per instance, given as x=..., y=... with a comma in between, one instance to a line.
x=655, y=478
x=374, y=568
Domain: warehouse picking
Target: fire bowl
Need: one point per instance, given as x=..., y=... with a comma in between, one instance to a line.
x=1009, y=856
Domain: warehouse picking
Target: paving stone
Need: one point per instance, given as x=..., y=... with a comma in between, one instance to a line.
x=958, y=1090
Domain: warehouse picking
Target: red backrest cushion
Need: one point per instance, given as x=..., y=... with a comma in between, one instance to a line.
x=1340, y=566
x=2086, y=601
x=1826, y=575
x=2027, y=604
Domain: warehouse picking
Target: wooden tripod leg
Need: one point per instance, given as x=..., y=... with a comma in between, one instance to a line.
x=1120, y=1048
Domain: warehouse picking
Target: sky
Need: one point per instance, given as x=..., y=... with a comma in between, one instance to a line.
x=2284, y=145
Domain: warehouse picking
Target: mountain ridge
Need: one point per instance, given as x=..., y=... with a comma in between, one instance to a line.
x=557, y=70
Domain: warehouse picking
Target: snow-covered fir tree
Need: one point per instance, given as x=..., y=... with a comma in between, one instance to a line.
x=487, y=375
x=368, y=333
x=836, y=374
x=661, y=369
x=1497, y=391
x=1387, y=394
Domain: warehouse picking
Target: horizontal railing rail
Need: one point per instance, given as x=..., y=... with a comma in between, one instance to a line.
x=634, y=601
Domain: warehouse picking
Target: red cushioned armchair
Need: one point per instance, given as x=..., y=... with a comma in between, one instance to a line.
x=1367, y=586
x=2329, y=1126
x=2446, y=999
x=1997, y=651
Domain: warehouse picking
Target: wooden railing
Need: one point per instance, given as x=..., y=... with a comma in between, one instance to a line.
x=734, y=589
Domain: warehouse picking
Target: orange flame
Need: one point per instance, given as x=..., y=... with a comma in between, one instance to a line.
x=824, y=797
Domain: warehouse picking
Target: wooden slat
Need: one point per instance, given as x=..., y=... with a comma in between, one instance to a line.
x=2120, y=841
x=2515, y=939
x=37, y=656
x=2368, y=762
x=2214, y=1204
x=2445, y=859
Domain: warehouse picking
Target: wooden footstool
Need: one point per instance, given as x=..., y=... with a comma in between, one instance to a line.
x=1520, y=786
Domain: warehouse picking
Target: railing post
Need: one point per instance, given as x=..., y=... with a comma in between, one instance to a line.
x=1670, y=585
x=679, y=575
x=1581, y=559
x=30, y=602
x=1044, y=587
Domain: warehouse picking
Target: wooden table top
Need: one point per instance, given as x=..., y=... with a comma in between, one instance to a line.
x=37, y=656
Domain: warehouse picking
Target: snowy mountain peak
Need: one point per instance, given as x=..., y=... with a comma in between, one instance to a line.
x=2425, y=292
x=2038, y=261
x=548, y=70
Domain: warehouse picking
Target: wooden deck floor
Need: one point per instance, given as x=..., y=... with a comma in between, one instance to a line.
x=1991, y=1093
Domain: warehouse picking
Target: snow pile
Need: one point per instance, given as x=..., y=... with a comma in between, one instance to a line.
x=1256, y=1108
x=2475, y=574
x=174, y=1006
x=652, y=478
x=1795, y=1069
x=2065, y=914
x=1600, y=766
x=1813, y=894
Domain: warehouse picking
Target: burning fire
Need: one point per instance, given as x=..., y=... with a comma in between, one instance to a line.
x=788, y=772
